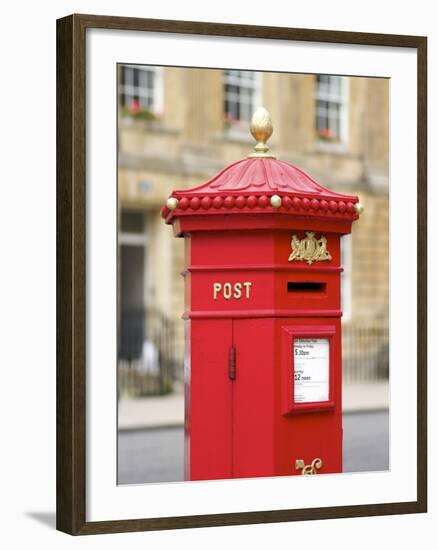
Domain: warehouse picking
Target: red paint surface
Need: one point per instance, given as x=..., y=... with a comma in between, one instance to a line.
x=262, y=175
x=208, y=421
x=247, y=186
x=250, y=426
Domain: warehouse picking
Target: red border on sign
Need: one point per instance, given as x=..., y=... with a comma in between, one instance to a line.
x=290, y=332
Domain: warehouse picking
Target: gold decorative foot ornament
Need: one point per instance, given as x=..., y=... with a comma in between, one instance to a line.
x=309, y=469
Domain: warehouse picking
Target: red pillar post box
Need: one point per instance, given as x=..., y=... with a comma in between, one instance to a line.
x=263, y=361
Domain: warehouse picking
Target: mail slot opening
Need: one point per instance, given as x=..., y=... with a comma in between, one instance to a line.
x=305, y=286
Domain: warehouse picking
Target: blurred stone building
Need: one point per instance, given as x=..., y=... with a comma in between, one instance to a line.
x=177, y=127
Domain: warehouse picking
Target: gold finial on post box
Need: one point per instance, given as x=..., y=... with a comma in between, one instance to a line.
x=261, y=129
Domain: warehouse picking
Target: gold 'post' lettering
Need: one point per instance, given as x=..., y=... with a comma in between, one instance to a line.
x=232, y=290
x=217, y=287
x=227, y=291
x=237, y=290
x=247, y=286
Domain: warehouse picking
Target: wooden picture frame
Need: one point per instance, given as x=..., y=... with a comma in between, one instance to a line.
x=71, y=272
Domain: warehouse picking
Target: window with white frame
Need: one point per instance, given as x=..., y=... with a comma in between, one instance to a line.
x=331, y=97
x=242, y=95
x=140, y=88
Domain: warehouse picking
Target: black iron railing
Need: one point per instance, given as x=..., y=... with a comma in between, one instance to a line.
x=148, y=363
x=365, y=352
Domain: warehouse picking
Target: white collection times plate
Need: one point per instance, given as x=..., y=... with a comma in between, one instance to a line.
x=311, y=369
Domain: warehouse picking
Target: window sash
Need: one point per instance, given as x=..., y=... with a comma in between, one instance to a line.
x=143, y=84
x=242, y=91
x=331, y=105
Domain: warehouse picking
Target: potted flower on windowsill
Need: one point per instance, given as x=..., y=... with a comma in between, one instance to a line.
x=235, y=129
x=135, y=111
x=230, y=121
x=326, y=134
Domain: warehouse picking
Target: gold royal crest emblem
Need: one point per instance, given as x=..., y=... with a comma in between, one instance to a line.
x=310, y=249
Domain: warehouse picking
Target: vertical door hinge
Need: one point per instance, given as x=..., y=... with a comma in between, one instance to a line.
x=232, y=363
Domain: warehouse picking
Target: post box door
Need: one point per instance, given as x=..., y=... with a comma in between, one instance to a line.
x=254, y=396
x=229, y=399
x=266, y=438
x=237, y=425
x=208, y=400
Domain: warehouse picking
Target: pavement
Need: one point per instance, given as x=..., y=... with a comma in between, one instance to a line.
x=365, y=396
x=151, y=436
x=151, y=412
x=156, y=455
x=168, y=411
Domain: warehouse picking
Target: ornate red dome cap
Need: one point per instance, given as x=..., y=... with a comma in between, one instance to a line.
x=261, y=184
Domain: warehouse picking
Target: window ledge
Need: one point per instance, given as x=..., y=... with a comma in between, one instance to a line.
x=151, y=126
x=238, y=135
x=336, y=148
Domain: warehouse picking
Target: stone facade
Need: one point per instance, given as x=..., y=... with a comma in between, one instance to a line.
x=191, y=140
